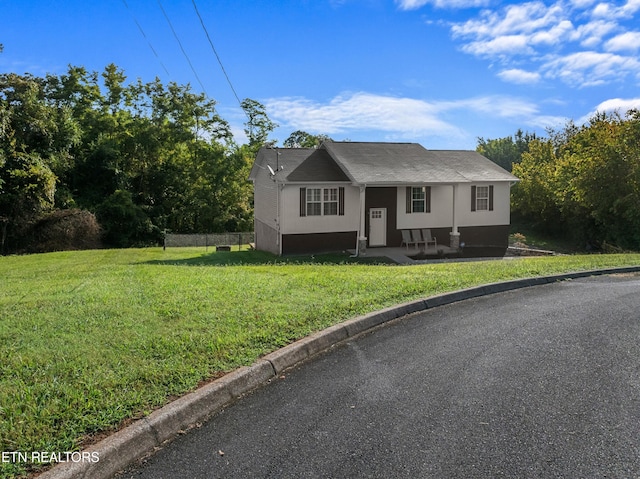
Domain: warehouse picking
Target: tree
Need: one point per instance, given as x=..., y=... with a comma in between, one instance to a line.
x=533, y=196
x=29, y=188
x=302, y=139
x=506, y=151
x=585, y=181
x=142, y=156
x=36, y=138
x=604, y=177
x=148, y=139
x=258, y=126
x=124, y=223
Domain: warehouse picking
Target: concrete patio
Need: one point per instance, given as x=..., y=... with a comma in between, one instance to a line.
x=404, y=255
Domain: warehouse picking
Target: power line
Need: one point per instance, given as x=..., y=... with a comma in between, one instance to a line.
x=182, y=48
x=145, y=37
x=215, y=52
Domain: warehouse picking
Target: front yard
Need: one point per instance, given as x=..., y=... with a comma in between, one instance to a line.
x=91, y=339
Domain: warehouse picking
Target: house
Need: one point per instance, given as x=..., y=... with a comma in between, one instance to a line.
x=354, y=195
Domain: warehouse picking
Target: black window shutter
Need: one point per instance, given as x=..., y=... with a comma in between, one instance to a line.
x=428, y=199
x=473, y=198
x=341, y=201
x=409, y=198
x=303, y=202
x=490, y=197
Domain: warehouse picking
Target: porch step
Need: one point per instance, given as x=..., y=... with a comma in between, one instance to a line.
x=400, y=258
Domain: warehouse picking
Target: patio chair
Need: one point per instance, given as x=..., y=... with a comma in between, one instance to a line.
x=417, y=237
x=429, y=238
x=406, y=238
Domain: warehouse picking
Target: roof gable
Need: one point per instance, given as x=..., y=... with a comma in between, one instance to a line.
x=319, y=166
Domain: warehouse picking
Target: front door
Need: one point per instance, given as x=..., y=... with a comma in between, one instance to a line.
x=378, y=227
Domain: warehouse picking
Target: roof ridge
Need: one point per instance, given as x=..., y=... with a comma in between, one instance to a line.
x=376, y=142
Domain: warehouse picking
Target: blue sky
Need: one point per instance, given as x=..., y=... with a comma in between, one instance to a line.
x=438, y=72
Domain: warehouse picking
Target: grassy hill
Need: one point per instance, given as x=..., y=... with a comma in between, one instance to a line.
x=91, y=339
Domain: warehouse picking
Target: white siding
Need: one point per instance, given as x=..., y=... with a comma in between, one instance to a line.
x=501, y=206
x=265, y=212
x=292, y=223
x=265, y=199
x=441, y=215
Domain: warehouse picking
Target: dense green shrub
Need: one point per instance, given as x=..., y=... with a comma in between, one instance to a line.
x=61, y=230
x=124, y=223
x=584, y=182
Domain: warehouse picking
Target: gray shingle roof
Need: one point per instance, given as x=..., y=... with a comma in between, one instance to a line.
x=380, y=163
x=286, y=158
x=411, y=163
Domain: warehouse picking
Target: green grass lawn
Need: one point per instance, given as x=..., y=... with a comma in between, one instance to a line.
x=90, y=339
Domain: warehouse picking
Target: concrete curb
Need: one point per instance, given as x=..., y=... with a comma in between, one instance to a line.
x=121, y=449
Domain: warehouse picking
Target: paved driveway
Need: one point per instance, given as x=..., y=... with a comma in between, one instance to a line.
x=539, y=382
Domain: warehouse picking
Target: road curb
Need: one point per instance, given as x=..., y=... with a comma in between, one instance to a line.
x=138, y=440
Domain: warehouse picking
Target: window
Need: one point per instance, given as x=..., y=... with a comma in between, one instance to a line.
x=330, y=201
x=482, y=198
x=418, y=199
x=322, y=201
x=314, y=204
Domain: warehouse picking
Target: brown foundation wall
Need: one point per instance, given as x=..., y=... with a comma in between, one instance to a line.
x=318, y=242
x=484, y=241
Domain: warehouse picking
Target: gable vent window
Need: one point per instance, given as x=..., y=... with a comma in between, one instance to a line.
x=418, y=199
x=482, y=198
x=322, y=201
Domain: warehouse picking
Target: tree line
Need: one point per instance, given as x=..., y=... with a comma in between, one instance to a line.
x=88, y=159
x=579, y=182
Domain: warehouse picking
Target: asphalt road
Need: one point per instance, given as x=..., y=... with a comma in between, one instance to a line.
x=539, y=382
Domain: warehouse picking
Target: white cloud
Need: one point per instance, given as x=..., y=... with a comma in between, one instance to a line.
x=603, y=10
x=359, y=111
x=629, y=41
x=612, y=11
x=394, y=116
x=514, y=30
x=416, y=4
x=613, y=105
x=582, y=3
x=514, y=19
x=497, y=106
x=590, y=68
x=557, y=33
x=619, y=104
x=507, y=45
x=590, y=34
x=548, y=39
x=516, y=75
x=547, y=121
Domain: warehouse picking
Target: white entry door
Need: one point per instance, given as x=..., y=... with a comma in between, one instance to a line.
x=378, y=227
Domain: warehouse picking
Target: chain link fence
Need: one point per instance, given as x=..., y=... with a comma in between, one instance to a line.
x=172, y=240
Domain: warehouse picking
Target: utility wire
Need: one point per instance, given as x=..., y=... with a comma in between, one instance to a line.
x=215, y=52
x=145, y=37
x=182, y=48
